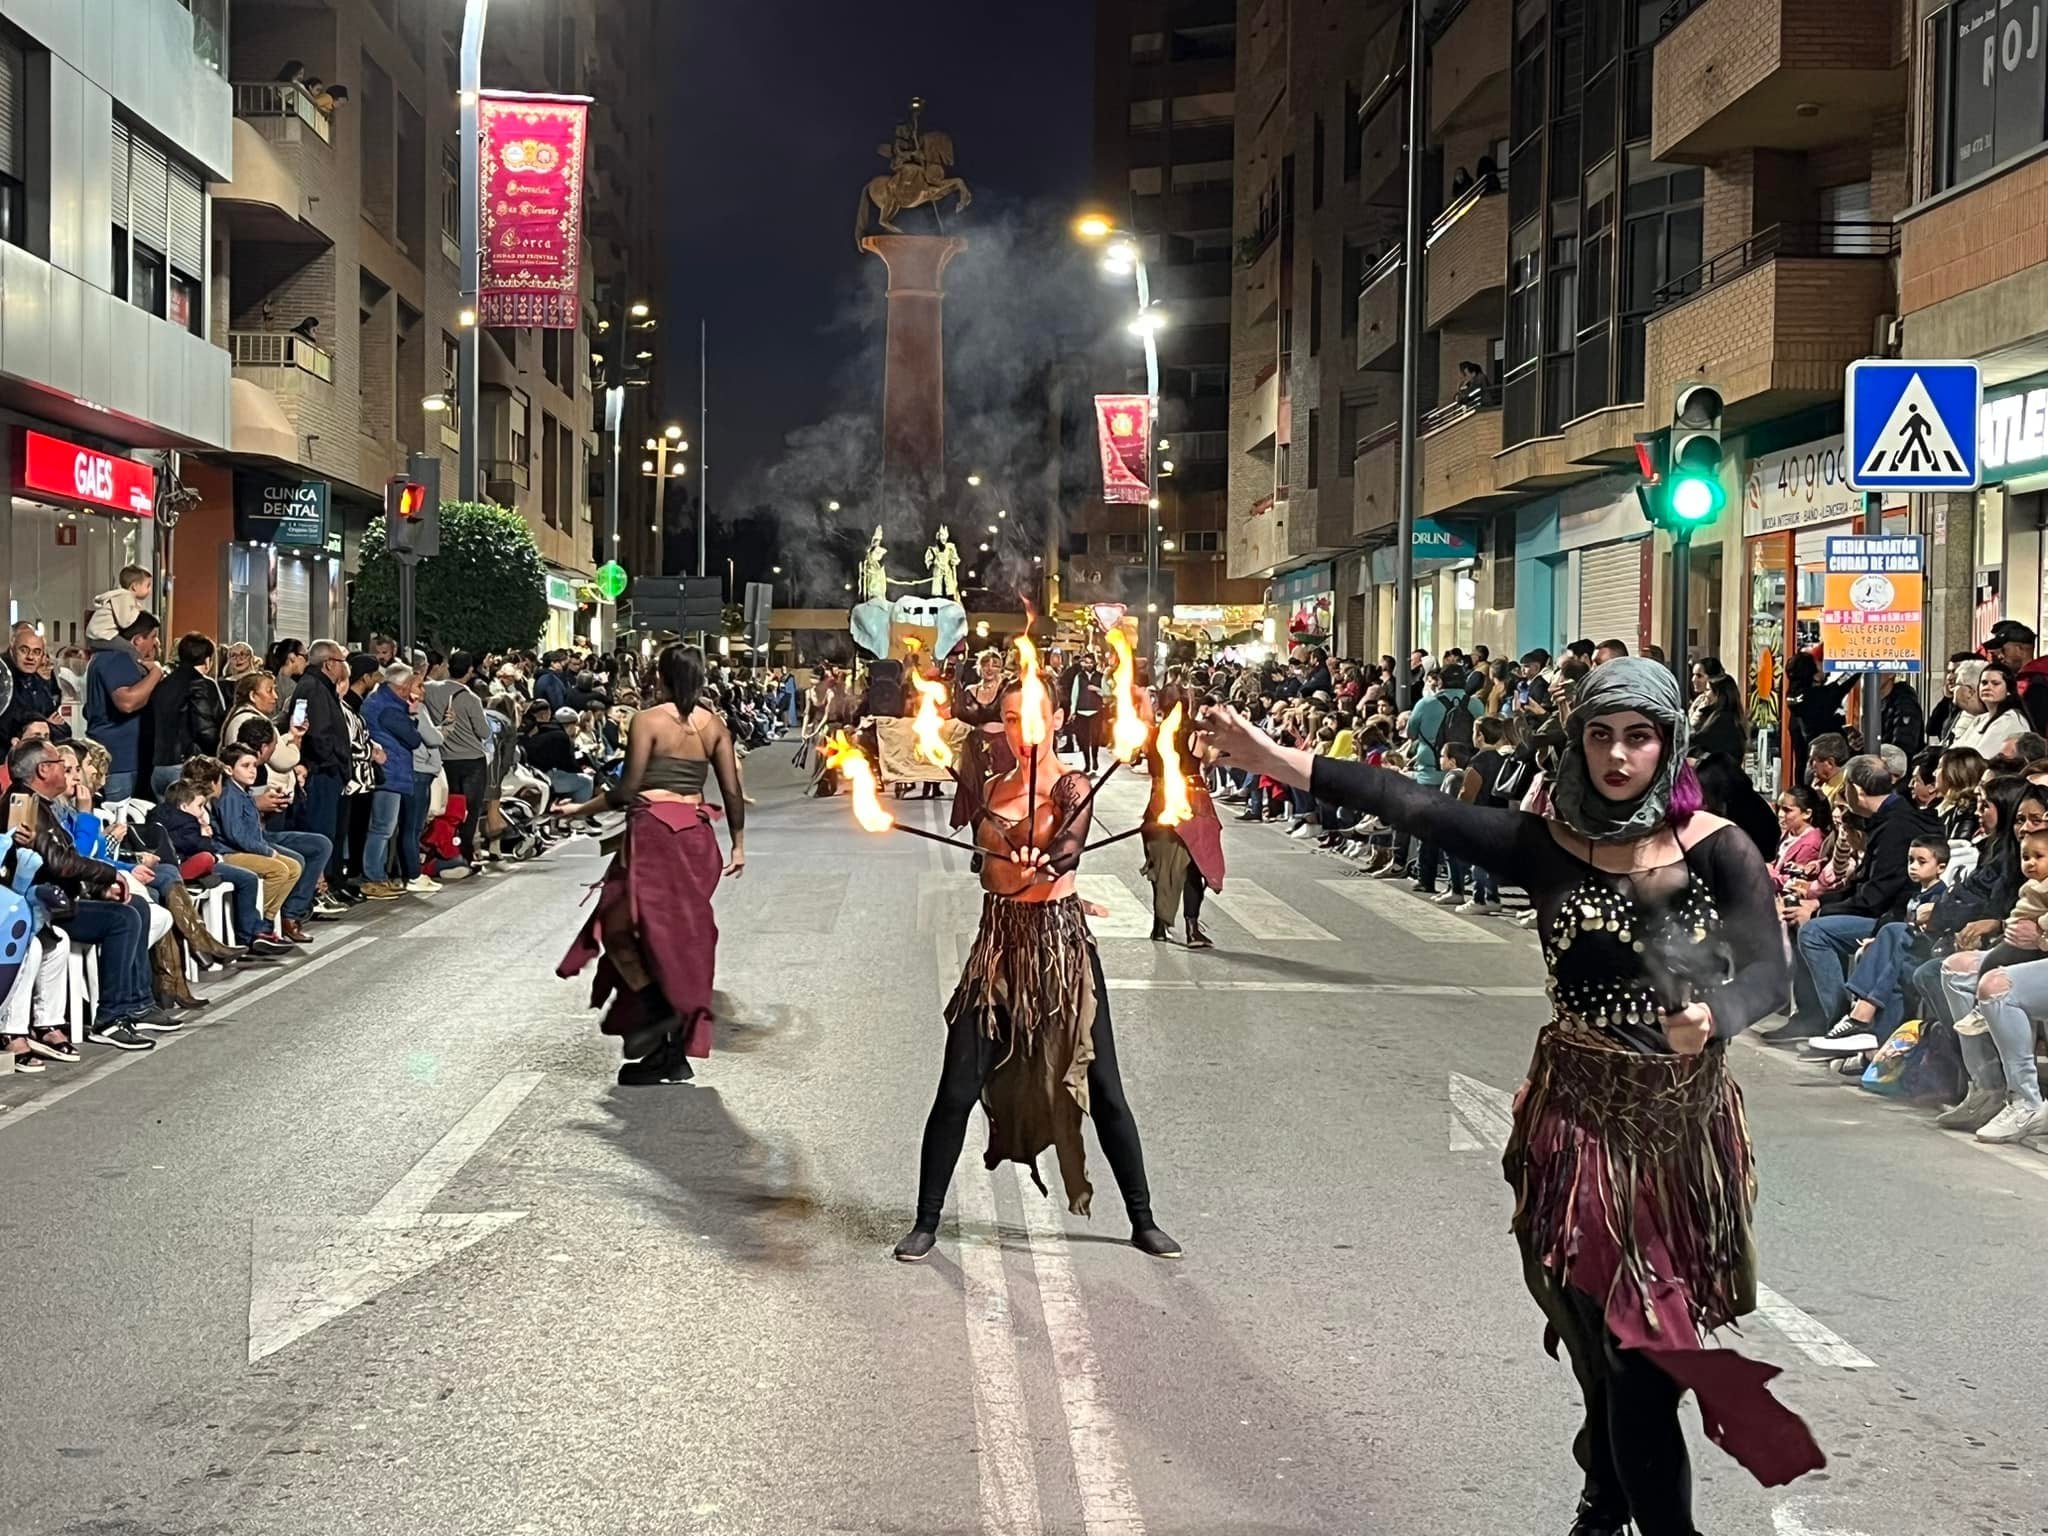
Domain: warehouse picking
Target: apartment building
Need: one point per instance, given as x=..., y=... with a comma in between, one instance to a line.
x=336, y=291
x=1165, y=103
x=114, y=116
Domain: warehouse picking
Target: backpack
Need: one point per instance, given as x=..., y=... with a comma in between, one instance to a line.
x=1456, y=727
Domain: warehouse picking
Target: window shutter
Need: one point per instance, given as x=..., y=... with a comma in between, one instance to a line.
x=1610, y=592
x=122, y=150
x=12, y=125
x=151, y=194
x=187, y=221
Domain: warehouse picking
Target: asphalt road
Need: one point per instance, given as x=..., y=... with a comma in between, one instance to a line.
x=382, y=1248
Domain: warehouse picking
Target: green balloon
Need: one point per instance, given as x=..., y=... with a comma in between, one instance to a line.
x=611, y=580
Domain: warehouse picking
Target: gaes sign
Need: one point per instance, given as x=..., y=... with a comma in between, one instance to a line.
x=79, y=476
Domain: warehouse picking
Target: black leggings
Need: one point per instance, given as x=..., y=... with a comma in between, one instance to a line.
x=1632, y=1446
x=971, y=1055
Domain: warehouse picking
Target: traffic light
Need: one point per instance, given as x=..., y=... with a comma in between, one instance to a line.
x=1693, y=495
x=405, y=510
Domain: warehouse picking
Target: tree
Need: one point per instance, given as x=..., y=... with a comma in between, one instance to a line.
x=486, y=591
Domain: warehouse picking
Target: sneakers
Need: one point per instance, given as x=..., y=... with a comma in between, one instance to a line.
x=1973, y=1023
x=1978, y=1106
x=424, y=885
x=121, y=1035
x=157, y=1021
x=1849, y=1037
x=1477, y=908
x=1449, y=899
x=2016, y=1120
x=382, y=890
x=1303, y=829
x=326, y=908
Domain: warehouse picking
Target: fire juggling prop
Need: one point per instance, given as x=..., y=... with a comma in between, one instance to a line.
x=844, y=757
x=929, y=727
x=1128, y=736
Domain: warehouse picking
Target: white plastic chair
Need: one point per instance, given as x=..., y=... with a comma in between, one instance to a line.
x=130, y=812
x=82, y=988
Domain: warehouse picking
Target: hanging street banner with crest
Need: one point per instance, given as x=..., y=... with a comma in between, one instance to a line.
x=1123, y=426
x=530, y=184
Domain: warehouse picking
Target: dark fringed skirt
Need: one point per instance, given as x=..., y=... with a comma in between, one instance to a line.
x=1634, y=1183
x=1028, y=985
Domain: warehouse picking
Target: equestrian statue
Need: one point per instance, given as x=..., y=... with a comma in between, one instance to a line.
x=919, y=176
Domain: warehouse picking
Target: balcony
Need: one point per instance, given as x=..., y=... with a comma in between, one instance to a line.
x=504, y=479
x=1771, y=74
x=1383, y=144
x=281, y=112
x=1258, y=257
x=1468, y=66
x=266, y=199
x=1773, y=322
x=1467, y=265
x=1458, y=440
x=287, y=352
x=1258, y=416
x=1379, y=312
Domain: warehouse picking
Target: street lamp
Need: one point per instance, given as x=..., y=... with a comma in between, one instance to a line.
x=831, y=506
x=974, y=480
x=469, y=151
x=1125, y=256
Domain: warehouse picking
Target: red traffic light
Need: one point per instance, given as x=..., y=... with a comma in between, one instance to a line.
x=411, y=499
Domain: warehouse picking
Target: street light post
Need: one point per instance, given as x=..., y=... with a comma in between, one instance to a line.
x=670, y=441
x=467, y=358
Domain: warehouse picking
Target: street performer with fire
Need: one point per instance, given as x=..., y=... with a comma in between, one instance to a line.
x=1183, y=852
x=1028, y=1029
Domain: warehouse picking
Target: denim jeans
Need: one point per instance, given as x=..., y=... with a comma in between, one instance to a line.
x=312, y=851
x=1882, y=974
x=569, y=786
x=119, y=930
x=119, y=786
x=386, y=806
x=1819, y=991
x=412, y=825
x=162, y=778
x=2005, y=1056
x=247, y=889
x=1484, y=886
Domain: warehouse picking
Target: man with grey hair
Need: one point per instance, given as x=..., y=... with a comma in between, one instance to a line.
x=324, y=753
x=1896, y=762
x=1873, y=896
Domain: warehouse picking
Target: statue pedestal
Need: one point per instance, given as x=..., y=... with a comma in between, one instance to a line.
x=914, y=378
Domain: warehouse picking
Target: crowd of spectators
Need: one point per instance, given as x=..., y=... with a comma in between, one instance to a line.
x=176, y=817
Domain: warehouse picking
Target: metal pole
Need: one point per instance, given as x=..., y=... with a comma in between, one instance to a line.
x=1871, y=712
x=703, y=463
x=1148, y=622
x=1411, y=363
x=660, y=490
x=408, y=571
x=467, y=357
x=1677, y=655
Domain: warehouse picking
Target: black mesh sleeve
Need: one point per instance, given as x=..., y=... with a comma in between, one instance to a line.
x=1753, y=931
x=1070, y=798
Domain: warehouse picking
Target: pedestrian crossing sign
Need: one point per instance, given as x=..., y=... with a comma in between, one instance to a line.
x=1912, y=424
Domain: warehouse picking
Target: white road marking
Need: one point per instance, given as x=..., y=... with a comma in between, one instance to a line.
x=1790, y=1520
x=220, y=1013
x=1334, y=988
x=1488, y=1112
x=1108, y=1506
x=1009, y=1481
x=1129, y=918
x=306, y=1272
x=1265, y=916
x=1408, y=912
x=424, y=1181
x=1815, y=1339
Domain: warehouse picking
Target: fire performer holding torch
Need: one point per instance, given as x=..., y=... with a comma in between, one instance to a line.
x=1028, y=1028
x=1183, y=839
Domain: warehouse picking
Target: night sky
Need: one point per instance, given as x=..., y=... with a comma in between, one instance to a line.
x=776, y=110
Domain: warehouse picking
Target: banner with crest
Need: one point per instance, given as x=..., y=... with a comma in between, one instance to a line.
x=530, y=184
x=1123, y=426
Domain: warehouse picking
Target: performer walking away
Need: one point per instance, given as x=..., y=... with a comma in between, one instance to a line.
x=986, y=753
x=1630, y=1158
x=653, y=934
x=1181, y=861
x=1027, y=1030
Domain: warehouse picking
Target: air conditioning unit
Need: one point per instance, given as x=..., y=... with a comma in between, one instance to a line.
x=1887, y=336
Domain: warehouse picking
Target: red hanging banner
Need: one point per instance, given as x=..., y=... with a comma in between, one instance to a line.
x=1123, y=426
x=530, y=180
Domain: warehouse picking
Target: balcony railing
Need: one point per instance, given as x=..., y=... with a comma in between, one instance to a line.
x=281, y=101
x=1841, y=238
x=280, y=349
x=1675, y=13
x=1388, y=263
x=513, y=470
x=1486, y=397
x=1464, y=203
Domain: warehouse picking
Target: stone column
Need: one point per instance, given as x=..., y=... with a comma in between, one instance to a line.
x=914, y=380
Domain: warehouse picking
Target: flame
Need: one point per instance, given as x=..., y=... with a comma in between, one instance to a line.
x=931, y=741
x=843, y=756
x=1128, y=732
x=1173, y=780
x=1034, y=704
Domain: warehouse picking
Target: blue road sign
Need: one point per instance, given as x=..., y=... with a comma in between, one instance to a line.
x=1912, y=424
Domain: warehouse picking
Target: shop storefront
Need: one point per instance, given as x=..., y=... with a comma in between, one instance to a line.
x=1794, y=499
x=281, y=577
x=1206, y=627
x=1303, y=605
x=1446, y=568
x=78, y=514
x=1584, y=568
x=561, y=626
x=2012, y=507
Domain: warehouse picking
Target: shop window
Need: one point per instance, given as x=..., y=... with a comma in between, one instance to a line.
x=1988, y=99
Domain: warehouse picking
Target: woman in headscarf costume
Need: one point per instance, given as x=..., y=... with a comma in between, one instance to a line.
x=1183, y=862
x=1630, y=1158
x=1027, y=1030
x=978, y=703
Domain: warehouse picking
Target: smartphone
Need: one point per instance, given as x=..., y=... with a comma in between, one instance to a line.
x=21, y=812
x=298, y=714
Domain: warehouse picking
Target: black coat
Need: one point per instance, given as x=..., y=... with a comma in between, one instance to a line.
x=35, y=698
x=326, y=748
x=1882, y=885
x=188, y=710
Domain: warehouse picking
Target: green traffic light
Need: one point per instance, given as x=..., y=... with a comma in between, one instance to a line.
x=1695, y=499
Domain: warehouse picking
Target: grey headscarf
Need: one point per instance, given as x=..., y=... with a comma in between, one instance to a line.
x=1625, y=683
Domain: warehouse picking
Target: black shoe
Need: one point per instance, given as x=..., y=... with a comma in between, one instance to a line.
x=667, y=1065
x=352, y=894
x=272, y=948
x=1155, y=1242
x=183, y=1005
x=1590, y=1522
x=121, y=1035
x=156, y=1020
x=916, y=1245
x=1159, y=935
x=1197, y=939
